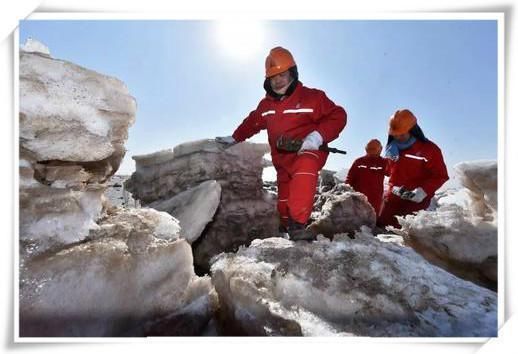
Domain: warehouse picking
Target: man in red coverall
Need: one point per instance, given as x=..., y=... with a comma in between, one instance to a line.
x=367, y=173
x=292, y=110
x=416, y=169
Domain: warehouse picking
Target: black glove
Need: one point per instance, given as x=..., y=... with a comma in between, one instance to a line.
x=226, y=141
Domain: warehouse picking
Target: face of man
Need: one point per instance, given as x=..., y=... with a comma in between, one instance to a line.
x=281, y=82
x=402, y=137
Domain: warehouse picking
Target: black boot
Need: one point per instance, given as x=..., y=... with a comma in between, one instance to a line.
x=298, y=232
x=283, y=231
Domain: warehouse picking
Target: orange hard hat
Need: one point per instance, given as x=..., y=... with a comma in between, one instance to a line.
x=373, y=147
x=401, y=122
x=279, y=60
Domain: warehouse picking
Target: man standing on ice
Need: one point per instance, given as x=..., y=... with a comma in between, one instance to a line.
x=291, y=110
x=416, y=169
x=367, y=174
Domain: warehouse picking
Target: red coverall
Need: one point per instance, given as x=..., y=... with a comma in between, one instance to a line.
x=366, y=176
x=297, y=115
x=421, y=165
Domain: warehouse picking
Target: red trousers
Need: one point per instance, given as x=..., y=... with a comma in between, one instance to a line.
x=393, y=205
x=296, y=187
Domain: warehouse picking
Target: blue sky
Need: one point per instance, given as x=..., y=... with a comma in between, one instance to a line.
x=199, y=79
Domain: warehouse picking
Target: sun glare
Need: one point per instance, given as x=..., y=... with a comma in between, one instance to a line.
x=240, y=39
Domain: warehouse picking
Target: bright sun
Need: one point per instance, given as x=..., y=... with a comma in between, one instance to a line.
x=240, y=39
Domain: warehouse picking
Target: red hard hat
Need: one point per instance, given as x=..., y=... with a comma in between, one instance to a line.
x=279, y=60
x=401, y=122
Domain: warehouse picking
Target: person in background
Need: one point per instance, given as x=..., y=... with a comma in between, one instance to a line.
x=367, y=174
x=416, y=169
x=291, y=110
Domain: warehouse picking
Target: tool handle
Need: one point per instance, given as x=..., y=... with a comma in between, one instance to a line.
x=333, y=150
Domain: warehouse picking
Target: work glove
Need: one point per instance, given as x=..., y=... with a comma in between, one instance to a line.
x=417, y=195
x=311, y=142
x=226, y=141
x=399, y=191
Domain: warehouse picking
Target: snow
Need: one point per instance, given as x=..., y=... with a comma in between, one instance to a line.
x=343, y=287
x=481, y=178
x=66, y=217
x=461, y=233
x=34, y=46
x=103, y=288
x=269, y=174
x=167, y=227
x=70, y=113
x=458, y=197
x=24, y=163
x=194, y=208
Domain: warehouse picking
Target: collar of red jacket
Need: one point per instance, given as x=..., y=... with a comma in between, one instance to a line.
x=271, y=95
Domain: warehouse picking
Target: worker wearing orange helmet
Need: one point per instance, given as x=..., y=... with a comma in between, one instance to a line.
x=367, y=174
x=292, y=110
x=416, y=169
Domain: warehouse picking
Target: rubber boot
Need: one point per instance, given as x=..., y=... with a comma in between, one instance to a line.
x=298, y=232
x=283, y=232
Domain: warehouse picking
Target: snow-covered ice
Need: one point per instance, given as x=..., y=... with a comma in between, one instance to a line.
x=461, y=234
x=360, y=287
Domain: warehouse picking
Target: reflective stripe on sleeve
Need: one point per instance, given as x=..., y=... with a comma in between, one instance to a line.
x=416, y=157
x=299, y=110
x=267, y=113
x=304, y=173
